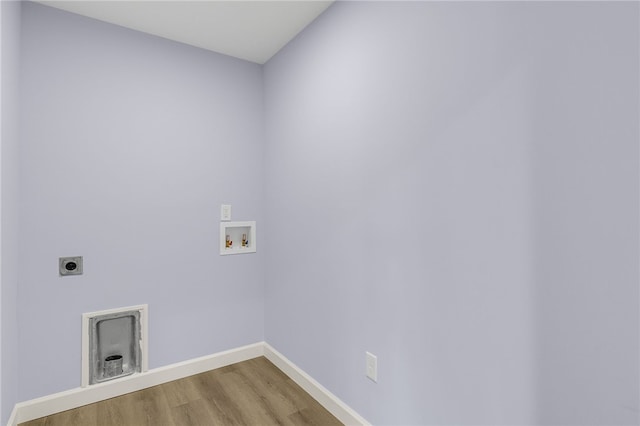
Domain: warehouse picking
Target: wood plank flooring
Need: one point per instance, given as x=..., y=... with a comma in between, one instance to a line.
x=253, y=392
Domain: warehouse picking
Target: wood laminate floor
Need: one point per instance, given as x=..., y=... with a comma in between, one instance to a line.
x=253, y=392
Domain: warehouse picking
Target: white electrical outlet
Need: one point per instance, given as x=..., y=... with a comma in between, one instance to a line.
x=372, y=367
x=225, y=212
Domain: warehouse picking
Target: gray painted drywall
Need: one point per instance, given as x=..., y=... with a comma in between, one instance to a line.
x=585, y=213
x=9, y=94
x=130, y=144
x=454, y=187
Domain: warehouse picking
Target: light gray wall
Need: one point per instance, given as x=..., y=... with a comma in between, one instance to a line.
x=454, y=187
x=130, y=143
x=585, y=174
x=9, y=94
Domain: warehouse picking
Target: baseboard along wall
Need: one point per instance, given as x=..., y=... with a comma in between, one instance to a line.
x=74, y=398
x=332, y=403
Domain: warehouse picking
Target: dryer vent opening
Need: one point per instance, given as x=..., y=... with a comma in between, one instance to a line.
x=114, y=344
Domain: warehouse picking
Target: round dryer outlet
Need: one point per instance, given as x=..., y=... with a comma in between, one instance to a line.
x=70, y=265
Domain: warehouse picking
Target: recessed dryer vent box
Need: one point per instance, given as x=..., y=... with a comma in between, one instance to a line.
x=114, y=344
x=237, y=237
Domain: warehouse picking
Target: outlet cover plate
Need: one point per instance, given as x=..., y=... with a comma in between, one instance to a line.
x=225, y=212
x=70, y=265
x=372, y=367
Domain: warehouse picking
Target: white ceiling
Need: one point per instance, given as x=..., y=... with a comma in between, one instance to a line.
x=250, y=30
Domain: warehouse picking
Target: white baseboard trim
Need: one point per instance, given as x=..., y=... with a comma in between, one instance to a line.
x=67, y=400
x=74, y=398
x=332, y=403
x=12, y=417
